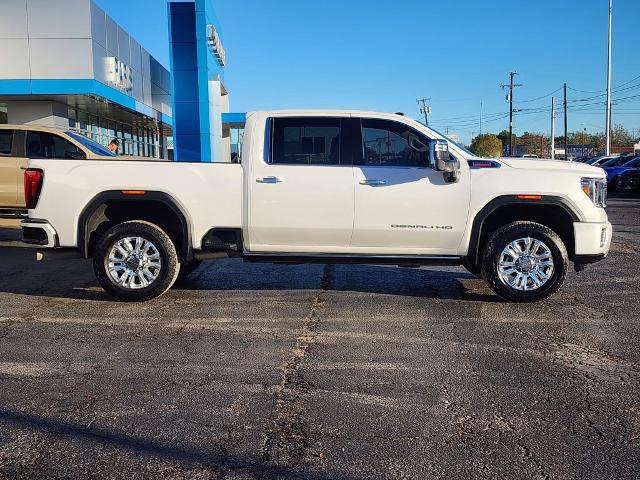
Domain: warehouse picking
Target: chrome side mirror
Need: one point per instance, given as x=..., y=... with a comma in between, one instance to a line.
x=442, y=160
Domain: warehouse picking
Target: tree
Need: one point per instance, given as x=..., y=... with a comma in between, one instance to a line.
x=620, y=137
x=487, y=145
x=534, y=144
x=504, y=138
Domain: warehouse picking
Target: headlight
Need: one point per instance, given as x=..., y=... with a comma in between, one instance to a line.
x=596, y=190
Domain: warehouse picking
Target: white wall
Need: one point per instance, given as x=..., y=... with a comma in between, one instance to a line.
x=43, y=113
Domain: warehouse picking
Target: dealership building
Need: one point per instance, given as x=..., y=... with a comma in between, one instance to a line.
x=68, y=64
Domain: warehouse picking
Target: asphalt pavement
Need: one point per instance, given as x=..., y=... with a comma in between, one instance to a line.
x=320, y=372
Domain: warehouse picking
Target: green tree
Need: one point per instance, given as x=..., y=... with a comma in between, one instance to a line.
x=504, y=137
x=620, y=137
x=487, y=145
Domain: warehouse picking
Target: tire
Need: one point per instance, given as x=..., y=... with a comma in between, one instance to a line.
x=187, y=269
x=528, y=269
x=142, y=270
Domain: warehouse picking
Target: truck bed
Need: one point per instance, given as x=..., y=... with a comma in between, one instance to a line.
x=199, y=188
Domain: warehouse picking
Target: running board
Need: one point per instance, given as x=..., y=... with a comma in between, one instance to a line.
x=399, y=260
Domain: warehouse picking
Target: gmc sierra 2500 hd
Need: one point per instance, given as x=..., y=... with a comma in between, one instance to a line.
x=327, y=187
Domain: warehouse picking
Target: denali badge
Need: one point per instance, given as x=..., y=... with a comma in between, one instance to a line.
x=425, y=227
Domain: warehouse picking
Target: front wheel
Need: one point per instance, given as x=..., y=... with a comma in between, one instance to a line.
x=135, y=261
x=525, y=262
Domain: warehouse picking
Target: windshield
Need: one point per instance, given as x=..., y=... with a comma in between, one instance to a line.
x=633, y=162
x=94, y=147
x=614, y=162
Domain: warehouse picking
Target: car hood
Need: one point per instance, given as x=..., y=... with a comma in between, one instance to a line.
x=616, y=170
x=556, y=165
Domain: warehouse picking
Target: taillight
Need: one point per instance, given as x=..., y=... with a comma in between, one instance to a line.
x=33, y=178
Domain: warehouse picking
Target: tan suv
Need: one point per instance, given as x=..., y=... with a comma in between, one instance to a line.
x=21, y=142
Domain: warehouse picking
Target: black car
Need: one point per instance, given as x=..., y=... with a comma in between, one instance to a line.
x=629, y=181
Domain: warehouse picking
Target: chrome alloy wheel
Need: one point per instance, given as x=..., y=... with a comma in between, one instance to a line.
x=134, y=263
x=525, y=264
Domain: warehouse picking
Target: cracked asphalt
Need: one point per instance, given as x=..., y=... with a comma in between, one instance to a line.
x=250, y=371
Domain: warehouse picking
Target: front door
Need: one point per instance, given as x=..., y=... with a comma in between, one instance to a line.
x=402, y=205
x=301, y=195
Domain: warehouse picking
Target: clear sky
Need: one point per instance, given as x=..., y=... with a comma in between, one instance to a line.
x=384, y=54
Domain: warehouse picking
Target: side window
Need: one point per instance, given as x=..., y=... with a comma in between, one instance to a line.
x=6, y=139
x=392, y=144
x=306, y=141
x=48, y=145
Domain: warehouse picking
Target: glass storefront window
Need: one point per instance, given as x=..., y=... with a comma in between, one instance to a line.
x=83, y=120
x=73, y=118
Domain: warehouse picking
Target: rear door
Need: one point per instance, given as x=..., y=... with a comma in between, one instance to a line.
x=403, y=205
x=301, y=191
x=10, y=174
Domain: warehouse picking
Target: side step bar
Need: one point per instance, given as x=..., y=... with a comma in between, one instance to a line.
x=399, y=260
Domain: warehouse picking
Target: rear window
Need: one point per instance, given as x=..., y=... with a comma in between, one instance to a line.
x=306, y=141
x=48, y=145
x=6, y=139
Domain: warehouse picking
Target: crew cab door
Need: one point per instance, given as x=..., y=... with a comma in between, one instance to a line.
x=402, y=205
x=301, y=188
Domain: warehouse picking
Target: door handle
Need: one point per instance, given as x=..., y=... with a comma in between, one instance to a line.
x=269, y=179
x=23, y=168
x=373, y=183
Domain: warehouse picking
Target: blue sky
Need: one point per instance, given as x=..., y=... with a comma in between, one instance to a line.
x=383, y=55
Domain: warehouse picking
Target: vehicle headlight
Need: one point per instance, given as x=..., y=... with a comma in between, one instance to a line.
x=596, y=190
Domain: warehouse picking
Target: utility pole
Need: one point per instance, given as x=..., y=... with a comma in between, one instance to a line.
x=608, y=122
x=553, y=128
x=566, y=141
x=510, y=98
x=425, y=109
x=480, y=117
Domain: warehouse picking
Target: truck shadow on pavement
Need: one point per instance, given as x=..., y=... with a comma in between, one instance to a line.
x=153, y=448
x=73, y=279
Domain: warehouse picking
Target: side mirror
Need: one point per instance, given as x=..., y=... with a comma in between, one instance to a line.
x=75, y=155
x=443, y=162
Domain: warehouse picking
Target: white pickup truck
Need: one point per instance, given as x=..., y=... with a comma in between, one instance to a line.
x=326, y=187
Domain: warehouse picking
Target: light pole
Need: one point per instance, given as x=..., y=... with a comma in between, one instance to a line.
x=608, y=121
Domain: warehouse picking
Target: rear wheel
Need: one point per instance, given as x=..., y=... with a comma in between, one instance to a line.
x=525, y=262
x=135, y=261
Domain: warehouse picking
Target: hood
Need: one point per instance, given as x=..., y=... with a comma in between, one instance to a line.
x=556, y=165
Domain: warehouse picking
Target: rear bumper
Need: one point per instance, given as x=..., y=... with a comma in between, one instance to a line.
x=39, y=232
x=592, y=241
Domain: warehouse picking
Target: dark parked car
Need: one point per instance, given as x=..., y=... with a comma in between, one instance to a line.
x=614, y=172
x=598, y=161
x=629, y=181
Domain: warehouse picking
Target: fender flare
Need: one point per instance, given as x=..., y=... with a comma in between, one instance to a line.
x=185, y=249
x=498, y=202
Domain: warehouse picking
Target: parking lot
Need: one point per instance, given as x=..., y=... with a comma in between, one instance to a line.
x=320, y=372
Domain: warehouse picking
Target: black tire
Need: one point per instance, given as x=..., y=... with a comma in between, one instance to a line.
x=187, y=269
x=169, y=266
x=501, y=238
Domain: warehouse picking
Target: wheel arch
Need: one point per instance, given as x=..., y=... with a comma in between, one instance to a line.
x=554, y=212
x=114, y=206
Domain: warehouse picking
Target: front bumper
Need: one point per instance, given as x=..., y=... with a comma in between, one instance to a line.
x=39, y=232
x=592, y=241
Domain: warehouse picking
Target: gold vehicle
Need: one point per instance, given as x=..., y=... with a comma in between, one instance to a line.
x=18, y=143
